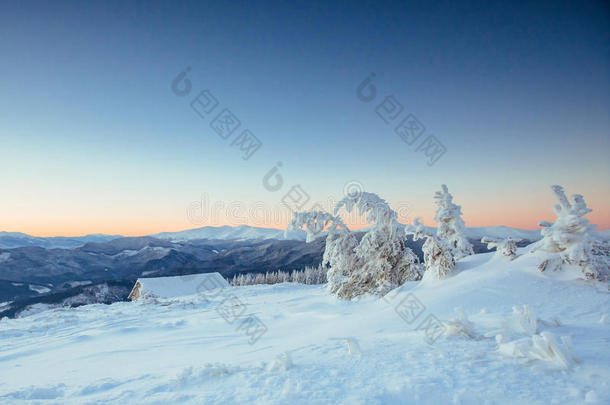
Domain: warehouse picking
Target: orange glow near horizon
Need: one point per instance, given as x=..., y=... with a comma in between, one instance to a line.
x=72, y=227
x=69, y=218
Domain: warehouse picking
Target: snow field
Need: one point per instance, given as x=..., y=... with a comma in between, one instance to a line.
x=319, y=349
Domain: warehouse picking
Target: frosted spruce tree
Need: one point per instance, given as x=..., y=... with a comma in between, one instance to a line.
x=504, y=247
x=570, y=241
x=385, y=261
x=451, y=226
x=438, y=254
x=380, y=262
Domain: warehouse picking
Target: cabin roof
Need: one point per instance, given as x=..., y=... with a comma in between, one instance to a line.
x=175, y=286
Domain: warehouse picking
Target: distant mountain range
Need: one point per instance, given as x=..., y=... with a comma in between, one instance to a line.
x=252, y=233
x=10, y=240
x=99, y=272
x=242, y=232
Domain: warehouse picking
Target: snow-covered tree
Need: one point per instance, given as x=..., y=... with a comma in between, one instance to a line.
x=384, y=261
x=451, y=226
x=339, y=253
x=259, y=278
x=340, y=258
x=378, y=263
x=438, y=254
x=570, y=239
x=504, y=247
x=309, y=275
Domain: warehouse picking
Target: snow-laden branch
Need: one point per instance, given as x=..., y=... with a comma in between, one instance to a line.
x=314, y=223
x=504, y=247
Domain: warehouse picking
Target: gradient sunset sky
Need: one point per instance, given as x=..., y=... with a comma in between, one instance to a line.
x=93, y=140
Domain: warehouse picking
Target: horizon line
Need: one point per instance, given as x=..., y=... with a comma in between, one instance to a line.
x=597, y=228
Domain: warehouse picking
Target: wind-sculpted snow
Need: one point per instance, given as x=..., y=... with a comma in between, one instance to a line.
x=512, y=335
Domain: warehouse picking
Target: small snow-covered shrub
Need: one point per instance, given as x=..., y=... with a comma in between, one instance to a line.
x=524, y=320
x=542, y=347
x=451, y=226
x=504, y=247
x=438, y=257
x=282, y=362
x=570, y=241
x=353, y=348
x=191, y=376
x=460, y=326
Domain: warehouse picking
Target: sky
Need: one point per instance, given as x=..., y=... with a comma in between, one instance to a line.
x=99, y=133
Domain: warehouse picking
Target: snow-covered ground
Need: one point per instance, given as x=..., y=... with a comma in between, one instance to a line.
x=40, y=289
x=321, y=350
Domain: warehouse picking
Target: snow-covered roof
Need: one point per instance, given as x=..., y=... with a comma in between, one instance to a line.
x=168, y=287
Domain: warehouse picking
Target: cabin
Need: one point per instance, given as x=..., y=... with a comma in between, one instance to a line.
x=176, y=286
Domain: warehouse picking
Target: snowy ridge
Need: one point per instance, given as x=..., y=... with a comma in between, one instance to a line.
x=10, y=240
x=226, y=232
x=245, y=232
x=478, y=232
